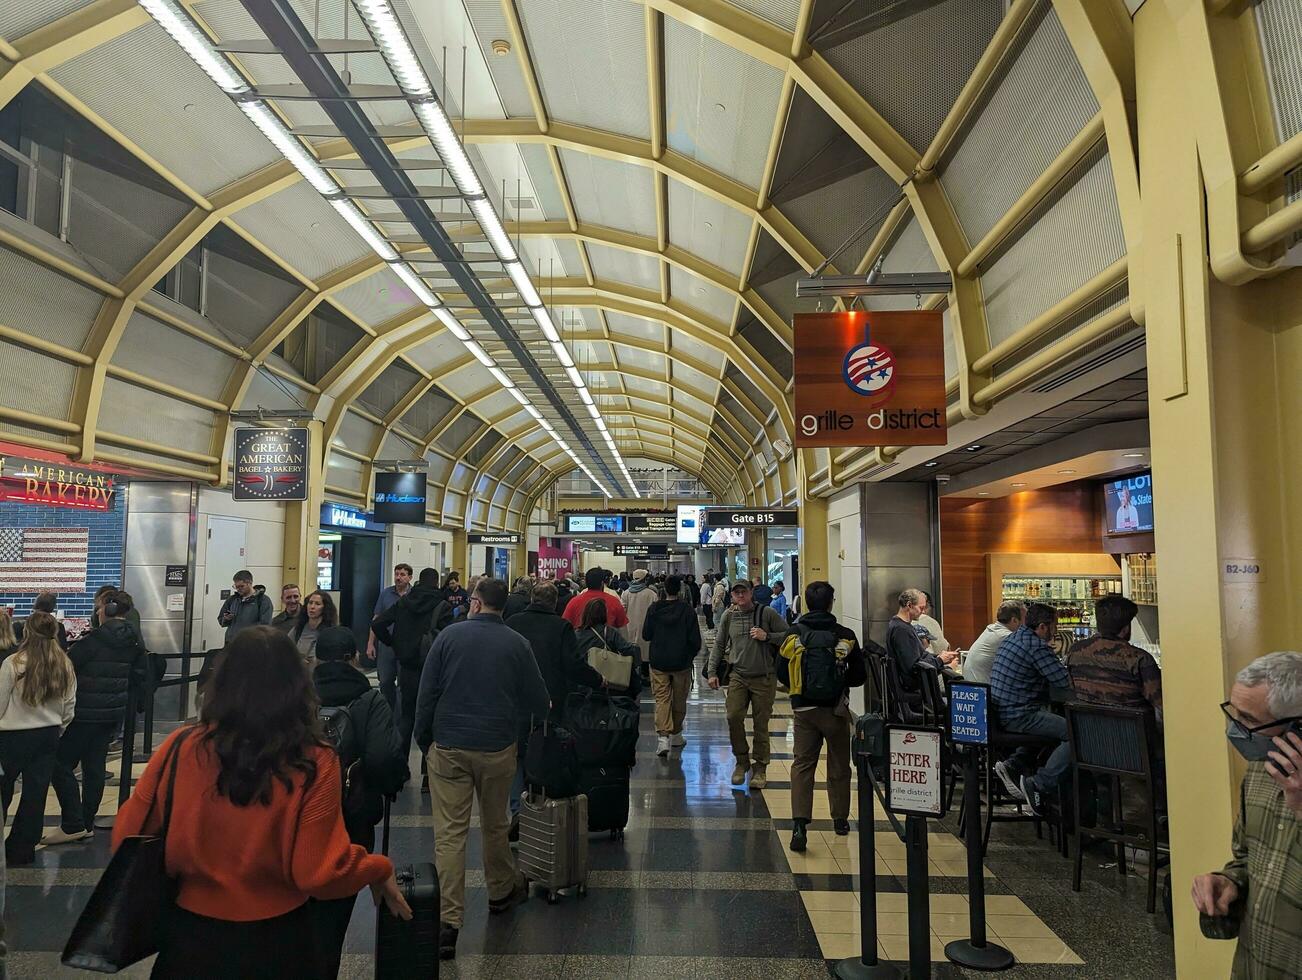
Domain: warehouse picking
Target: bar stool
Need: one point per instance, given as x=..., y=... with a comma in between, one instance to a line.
x=1001, y=745
x=1108, y=743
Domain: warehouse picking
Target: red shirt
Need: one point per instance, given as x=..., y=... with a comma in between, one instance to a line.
x=243, y=863
x=616, y=615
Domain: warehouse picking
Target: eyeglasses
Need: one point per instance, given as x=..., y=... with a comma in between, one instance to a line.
x=1238, y=727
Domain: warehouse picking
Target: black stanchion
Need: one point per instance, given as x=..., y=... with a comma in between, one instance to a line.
x=105, y=822
x=915, y=844
x=147, y=748
x=866, y=965
x=975, y=952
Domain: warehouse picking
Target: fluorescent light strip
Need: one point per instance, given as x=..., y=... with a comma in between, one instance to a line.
x=576, y=379
x=520, y=396
x=350, y=213
x=523, y=284
x=544, y=321
x=480, y=354
x=482, y=209
x=290, y=148
x=397, y=50
x=186, y=33
x=415, y=284
x=593, y=410
x=501, y=377
x=562, y=354
x=452, y=323
x=585, y=396
x=438, y=127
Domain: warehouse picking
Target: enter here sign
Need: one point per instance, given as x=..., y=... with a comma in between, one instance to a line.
x=914, y=784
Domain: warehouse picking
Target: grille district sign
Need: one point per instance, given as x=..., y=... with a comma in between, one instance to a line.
x=873, y=378
x=270, y=464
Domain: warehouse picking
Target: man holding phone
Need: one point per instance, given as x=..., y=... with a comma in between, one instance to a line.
x=1255, y=894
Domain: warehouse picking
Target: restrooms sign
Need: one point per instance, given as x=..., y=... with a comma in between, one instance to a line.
x=873, y=378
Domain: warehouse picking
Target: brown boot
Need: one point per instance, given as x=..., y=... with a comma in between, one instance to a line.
x=739, y=771
x=759, y=776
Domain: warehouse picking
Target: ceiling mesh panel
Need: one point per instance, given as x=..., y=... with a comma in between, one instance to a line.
x=720, y=104
x=909, y=252
x=299, y=226
x=343, y=472
x=701, y=295
x=490, y=23
x=610, y=193
x=153, y=77
x=428, y=411
x=709, y=229
x=377, y=298
x=142, y=414
x=635, y=326
x=912, y=68
x=606, y=55
x=38, y=383
x=392, y=386
x=537, y=162
x=620, y=266
x=19, y=17
x=1038, y=105
x=357, y=433
x=41, y=302
x=242, y=299
x=842, y=217
x=458, y=432
x=769, y=348
x=154, y=349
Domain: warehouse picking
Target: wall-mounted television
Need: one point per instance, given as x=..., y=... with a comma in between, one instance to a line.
x=723, y=537
x=1128, y=504
x=691, y=529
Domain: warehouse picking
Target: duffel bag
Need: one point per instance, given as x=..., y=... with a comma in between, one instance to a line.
x=606, y=727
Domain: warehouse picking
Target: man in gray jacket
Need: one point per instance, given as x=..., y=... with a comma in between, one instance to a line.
x=479, y=680
x=749, y=635
x=637, y=599
x=244, y=607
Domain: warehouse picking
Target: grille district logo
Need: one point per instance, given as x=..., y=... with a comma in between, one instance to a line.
x=870, y=369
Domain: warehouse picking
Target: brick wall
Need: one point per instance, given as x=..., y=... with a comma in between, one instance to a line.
x=108, y=530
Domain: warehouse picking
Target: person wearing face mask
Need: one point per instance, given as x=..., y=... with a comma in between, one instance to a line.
x=1256, y=894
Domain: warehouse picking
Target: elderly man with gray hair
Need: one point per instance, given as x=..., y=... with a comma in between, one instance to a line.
x=1255, y=895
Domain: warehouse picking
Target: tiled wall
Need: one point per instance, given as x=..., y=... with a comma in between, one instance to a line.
x=104, y=563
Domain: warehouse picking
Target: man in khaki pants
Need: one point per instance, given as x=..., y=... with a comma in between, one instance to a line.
x=749, y=635
x=479, y=679
x=674, y=637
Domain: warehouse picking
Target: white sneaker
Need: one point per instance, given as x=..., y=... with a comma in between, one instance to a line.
x=1012, y=785
x=677, y=741
x=662, y=745
x=57, y=836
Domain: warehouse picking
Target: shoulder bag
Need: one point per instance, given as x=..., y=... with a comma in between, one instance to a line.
x=122, y=921
x=613, y=666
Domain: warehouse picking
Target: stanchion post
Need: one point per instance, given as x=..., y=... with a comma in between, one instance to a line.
x=915, y=843
x=866, y=966
x=105, y=822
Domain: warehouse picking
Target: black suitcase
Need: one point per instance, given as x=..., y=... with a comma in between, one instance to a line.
x=607, y=790
x=409, y=949
x=605, y=728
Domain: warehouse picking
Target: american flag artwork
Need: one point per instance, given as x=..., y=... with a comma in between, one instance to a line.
x=869, y=369
x=39, y=559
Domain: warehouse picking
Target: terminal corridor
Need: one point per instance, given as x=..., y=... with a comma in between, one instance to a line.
x=703, y=886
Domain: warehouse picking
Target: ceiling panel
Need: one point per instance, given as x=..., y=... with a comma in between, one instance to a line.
x=618, y=266
x=720, y=104
x=635, y=326
x=631, y=357
x=378, y=298
x=299, y=226
x=610, y=193
x=701, y=295
x=709, y=229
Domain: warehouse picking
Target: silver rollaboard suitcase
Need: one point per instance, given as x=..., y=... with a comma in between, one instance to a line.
x=554, y=843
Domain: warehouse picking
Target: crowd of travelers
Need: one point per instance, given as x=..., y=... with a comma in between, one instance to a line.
x=291, y=734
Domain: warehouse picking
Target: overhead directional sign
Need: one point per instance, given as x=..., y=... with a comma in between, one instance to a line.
x=750, y=517
x=642, y=550
x=498, y=538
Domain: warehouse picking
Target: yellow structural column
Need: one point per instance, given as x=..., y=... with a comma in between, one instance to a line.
x=1226, y=431
x=757, y=547
x=460, y=555
x=303, y=518
x=520, y=558
x=813, y=529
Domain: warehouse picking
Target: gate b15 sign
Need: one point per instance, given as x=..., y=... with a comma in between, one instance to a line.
x=873, y=378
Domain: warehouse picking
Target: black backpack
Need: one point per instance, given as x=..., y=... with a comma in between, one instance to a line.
x=822, y=672
x=341, y=733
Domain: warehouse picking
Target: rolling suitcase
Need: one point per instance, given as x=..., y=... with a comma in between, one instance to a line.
x=605, y=728
x=607, y=790
x=554, y=843
x=409, y=949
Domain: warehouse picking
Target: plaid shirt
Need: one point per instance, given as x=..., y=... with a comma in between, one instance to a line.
x=1025, y=668
x=1267, y=867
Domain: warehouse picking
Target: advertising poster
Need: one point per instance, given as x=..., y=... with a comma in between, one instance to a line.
x=874, y=378
x=555, y=557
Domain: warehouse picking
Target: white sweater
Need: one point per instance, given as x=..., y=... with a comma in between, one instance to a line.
x=17, y=715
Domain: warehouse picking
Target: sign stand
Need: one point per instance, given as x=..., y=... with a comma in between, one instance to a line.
x=866, y=966
x=969, y=725
x=915, y=843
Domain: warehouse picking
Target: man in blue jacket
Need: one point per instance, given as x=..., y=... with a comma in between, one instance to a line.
x=480, y=678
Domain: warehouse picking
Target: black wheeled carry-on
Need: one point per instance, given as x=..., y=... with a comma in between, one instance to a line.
x=409, y=949
x=554, y=843
x=607, y=790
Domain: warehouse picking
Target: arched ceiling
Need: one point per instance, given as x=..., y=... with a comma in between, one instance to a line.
x=666, y=169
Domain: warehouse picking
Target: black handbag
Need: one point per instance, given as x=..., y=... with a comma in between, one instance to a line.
x=605, y=727
x=551, y=762
x=121, y=922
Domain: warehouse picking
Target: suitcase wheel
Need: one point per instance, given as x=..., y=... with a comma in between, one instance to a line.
x=552, y=897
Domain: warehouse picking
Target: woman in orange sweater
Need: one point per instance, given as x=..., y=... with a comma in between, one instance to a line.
x=256, y=827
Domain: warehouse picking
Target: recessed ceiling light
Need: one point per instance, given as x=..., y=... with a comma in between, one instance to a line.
x=709, y=224
x=1018, y=484
x=934, y=462
x=983, y=493
x=188, y=107
x=720, y=107
x=1066, y=471
x=1132, y=455
x=973, y=449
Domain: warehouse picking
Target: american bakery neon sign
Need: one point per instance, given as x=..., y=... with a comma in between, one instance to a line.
x=31, y=482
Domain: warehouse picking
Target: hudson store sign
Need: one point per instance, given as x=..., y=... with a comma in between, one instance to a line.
x=29, y=481
x=270, y=464
x=870, y=379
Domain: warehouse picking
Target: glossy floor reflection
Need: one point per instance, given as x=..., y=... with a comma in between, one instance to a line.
x=703, y=886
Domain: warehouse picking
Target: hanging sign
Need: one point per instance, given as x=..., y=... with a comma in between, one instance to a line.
x=913, y=782
x=270, y=464
x=659, y=551
x=555, y=557
x=29, y=481
x=747, y=517
x=400, y=498
x=650, y=523
x=494, y=538
x=873, y=378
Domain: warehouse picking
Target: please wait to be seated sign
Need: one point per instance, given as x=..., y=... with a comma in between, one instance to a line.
x=969, y=710
x=914, y=783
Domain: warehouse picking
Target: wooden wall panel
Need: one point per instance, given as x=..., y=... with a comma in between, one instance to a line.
x=1067, y=518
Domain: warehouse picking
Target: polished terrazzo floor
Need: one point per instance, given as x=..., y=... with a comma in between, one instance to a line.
x=703, y=885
